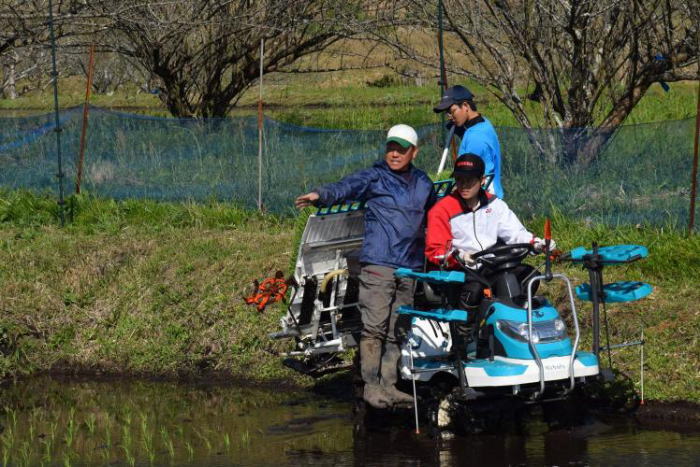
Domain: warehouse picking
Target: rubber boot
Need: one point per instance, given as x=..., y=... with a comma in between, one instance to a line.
x=370, y=357
x=389, y=375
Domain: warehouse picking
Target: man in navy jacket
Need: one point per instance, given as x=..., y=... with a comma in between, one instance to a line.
x=397, y=195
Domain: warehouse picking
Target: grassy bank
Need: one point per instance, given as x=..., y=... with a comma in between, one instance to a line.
x=136, y=287
x=154, y=288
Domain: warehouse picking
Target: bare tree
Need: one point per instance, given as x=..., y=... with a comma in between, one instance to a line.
x=204, y=53
x=18, y=30
x=589, y=61
x=24, y=69
x=24, y=38
x=111, y=70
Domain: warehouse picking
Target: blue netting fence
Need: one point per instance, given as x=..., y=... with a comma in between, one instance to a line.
x=641, y=177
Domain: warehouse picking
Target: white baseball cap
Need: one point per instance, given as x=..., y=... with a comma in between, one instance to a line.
x=402, y=134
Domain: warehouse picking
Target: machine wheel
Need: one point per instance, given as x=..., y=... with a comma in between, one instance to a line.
x=439, y=405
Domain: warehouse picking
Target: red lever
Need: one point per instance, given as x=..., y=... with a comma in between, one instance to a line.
x=547, y=229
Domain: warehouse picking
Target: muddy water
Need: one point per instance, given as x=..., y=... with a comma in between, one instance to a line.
x=74, y=422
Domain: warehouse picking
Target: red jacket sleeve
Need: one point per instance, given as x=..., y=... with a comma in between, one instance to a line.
x=438, y=238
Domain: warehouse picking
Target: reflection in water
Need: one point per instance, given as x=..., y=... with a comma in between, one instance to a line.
x=581, y=440
x=134, y=422
x=45, y=421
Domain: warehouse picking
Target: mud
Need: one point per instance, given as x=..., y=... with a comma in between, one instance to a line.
x=677, y=415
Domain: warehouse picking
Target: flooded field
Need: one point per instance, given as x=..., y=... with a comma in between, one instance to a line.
x=46, y=421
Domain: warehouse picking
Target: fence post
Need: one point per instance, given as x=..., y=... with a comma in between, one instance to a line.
x=450, y=142
x=260, y=127
x=57, y=129
x=443, y=72
x=694, y=181
x=83, y=131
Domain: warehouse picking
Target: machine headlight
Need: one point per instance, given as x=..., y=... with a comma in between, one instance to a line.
x=516, y=330
x=559, y=325
x=543, y=331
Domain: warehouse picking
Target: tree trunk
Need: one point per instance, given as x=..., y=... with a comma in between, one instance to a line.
x=582, y=146
x=9, y=89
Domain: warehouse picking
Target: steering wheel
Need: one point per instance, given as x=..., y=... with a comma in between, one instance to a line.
x=503, y=255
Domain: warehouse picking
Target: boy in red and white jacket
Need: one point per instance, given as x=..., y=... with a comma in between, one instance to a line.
x=471, y=220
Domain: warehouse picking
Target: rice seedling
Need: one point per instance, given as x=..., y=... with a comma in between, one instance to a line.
x=108, y=437
x=70, y=429
x=126, y=440
x=52, y=430
x=128, y=456
x=8, y=444
x=205, y=439
x=147, y=438
x=245, y=438
x=25, y=452
x=167, y=441
x=48, y=445
x=90, y=422
x=13, y=417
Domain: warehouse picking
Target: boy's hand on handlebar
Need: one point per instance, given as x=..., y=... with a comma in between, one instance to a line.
x=309, y=199
x=538, y=244
x=466, y=257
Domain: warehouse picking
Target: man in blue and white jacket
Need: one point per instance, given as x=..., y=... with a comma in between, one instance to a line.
x=397, y=196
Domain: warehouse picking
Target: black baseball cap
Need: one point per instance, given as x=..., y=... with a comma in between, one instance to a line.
x=454, y=95
x=469, y=165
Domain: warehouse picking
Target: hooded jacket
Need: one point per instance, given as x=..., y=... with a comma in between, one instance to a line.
x=395, y=207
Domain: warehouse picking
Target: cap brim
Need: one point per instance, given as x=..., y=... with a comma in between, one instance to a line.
x=467, y=173
x=400, y=141
x=444, y=104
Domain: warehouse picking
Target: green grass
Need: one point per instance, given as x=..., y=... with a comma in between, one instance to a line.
x=72, y=93
x=136, y=287
x=345, y=100
x=27, y=209
x=139, y=287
